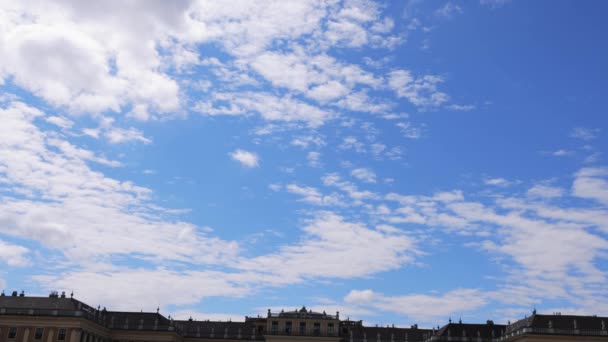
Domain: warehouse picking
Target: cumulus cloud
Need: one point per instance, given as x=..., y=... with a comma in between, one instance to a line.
x=88, y=70
x=246, y=158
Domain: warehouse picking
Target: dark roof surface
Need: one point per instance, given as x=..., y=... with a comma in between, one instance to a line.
x=561, y=322
x=42, y=303
x=484, y=331
x=231, y=330
x=136, y=320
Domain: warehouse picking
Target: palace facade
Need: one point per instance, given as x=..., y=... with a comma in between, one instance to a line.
x=58, y=318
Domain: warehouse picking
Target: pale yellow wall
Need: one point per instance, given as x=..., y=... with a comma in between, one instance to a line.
x=26, y=327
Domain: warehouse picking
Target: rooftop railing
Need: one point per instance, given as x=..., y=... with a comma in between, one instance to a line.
x=315, y=315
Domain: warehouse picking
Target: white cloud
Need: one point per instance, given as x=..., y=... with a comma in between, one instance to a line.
x=268, y=106
x=545, y=191
x=561, y=153
x=494, y=3
x=360, y=102
x=13, y=255
x=328, y=91
x=420, y=306
x=60, y=121
x=461, y=108
x=116, y=135
x=357, y=196
x=126, y=289
x=314, y=158
x=246, y=158
x=448, y=10
x=336, y=248
x=319, y=77
x=57, y=200
x=129, y=67
x=313, y=195
x=497, y=181
x=592, y=183
x=584, y=133
x=420, y=91
x=364, y=174
x=551, y=251
x=409, y=131
x=89, y=70
x=274, y=187
x=593, y=157
x=353, y=143
x=307, y=140
x=283, y=70
x=140, y=112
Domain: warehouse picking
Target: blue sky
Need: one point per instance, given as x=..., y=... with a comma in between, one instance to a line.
x=400, y=162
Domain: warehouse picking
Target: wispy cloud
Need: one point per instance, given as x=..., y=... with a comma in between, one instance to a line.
x=583, y=133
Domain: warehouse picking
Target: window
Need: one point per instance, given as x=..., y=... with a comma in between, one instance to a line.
x=61, y=334
x=38, y=334
x=302, y=328
x=12, y=333
x=275, y=327
x=288, y=328
x=330, y=328
x=317, y=329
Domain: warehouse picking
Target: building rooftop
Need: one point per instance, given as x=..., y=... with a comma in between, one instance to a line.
x=255, y=328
